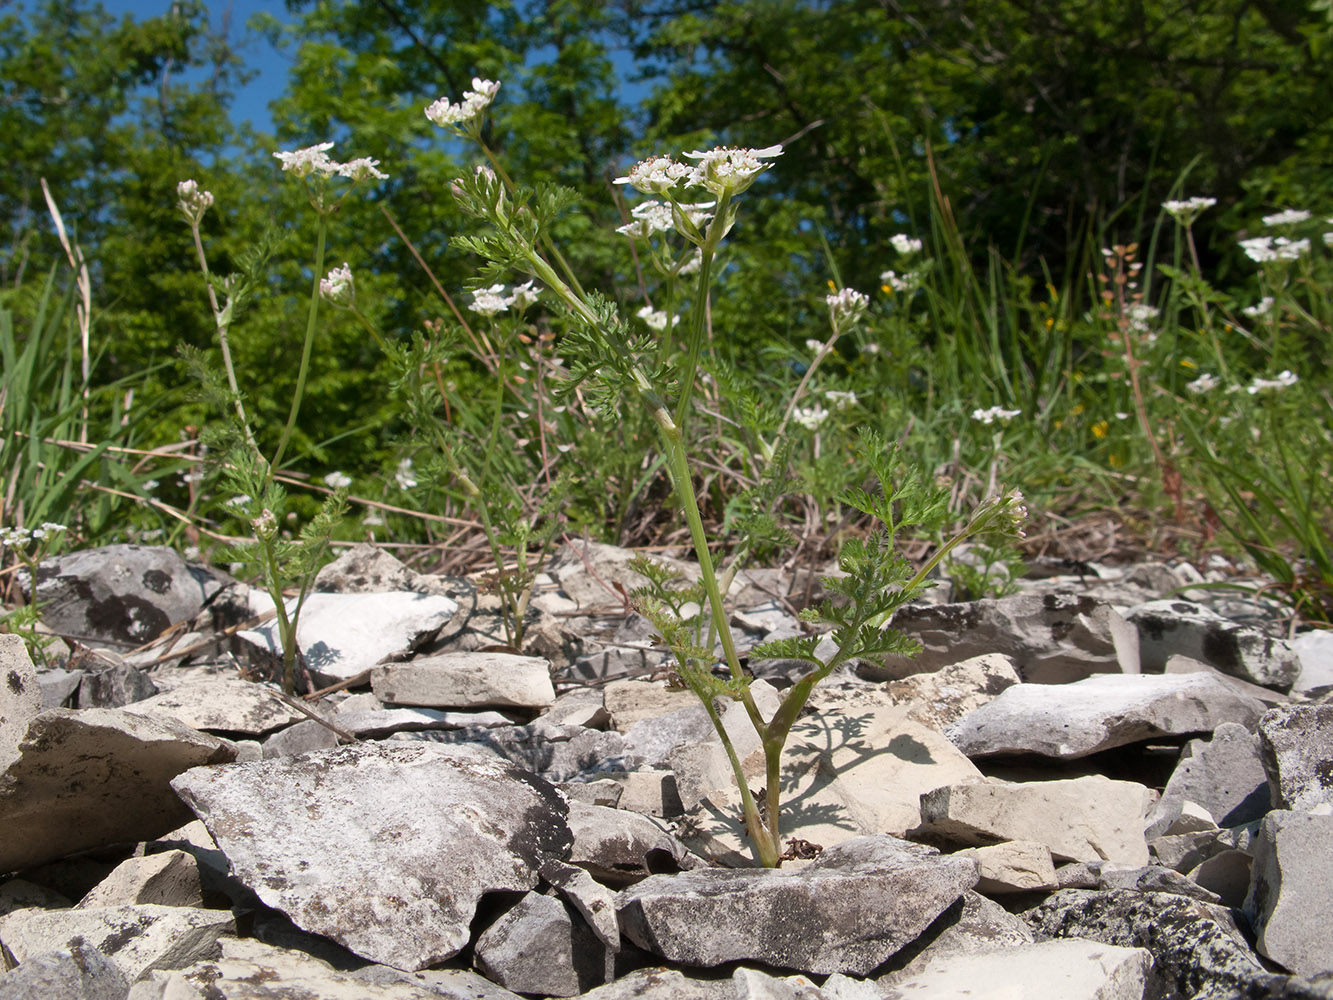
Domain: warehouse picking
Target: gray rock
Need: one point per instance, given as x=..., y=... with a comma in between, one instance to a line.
x=453, y=984
x=1224, y=775
x=1197, y=949
x=601, y=792
x=1296, y=745
x=58, y=685
x=665, y=984
x=587, y=572
x=593, y=901
x=365, y=569
x=384, y=722
x=1052, y=639
x=466, y=680
x=253, y=970
x=557, y=753
x=1170, y=627
x=942, y=697
x=1227, y=874
x=848, y=911
x=223, y=705
x=972, y=925
x=1070, y=969
x=392, y=852
x=1079, y=819
x=300, y=738
x=122, y=594
x=630, y=702
x=20, y=894
x=20, y=694
x=1188, y=665
x=80, y=972
x=619, y=847
x=540, y=946
x=1291, y=900
x=1153, y=878
x=135, y=938
x=167, y=879
x=579, y=707
x=342, y=635
x=92, y=778
x=115, y=687
x=1315, y=651
x=1068, y=721
x=751, y=984
x=1014, y=866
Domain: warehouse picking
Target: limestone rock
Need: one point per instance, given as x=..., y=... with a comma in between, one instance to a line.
x=752, y=984
x=96, y=777
x=466, y=680
x=122, y=594
x=844, y=776
x=557, y=753
x=79, y=972
x=300, y=738
x=376, y=725
x=342, y=635
x=1296, y=746
x=20, y=894
x=1070, y=969
x=620, y=847
x=252, y=970
x=629, y=702
x=167, y=879
x=20, y=694
x=1227, y=874
x=385, y=848
x=1172, y=626
x=665, y=984
x=942, y=697
x=1224, y=775
x=1014, y=866
x=135, y=938
x=224, y=705
x=1052, y=639
x=973, y=925
x=848, y=911
x=587, y=572
x=540, y=946
x=115, y=687
x=1067, y=721
x=58, y=686
x=366, y=569
x=1197, y=949
x=1079, y=819
x=1290, y=900
x=1315, y=651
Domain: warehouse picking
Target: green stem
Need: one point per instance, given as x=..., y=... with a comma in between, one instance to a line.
x=309, y=340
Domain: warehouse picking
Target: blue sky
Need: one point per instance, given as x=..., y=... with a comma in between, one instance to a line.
x=251, y=103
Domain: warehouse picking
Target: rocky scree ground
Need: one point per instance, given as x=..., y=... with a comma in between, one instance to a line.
x=1104, y=786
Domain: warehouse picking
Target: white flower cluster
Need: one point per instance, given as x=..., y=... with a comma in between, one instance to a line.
x=1263, y=249
x=1203, y=383
x=194, y=200
x=1005, y=512
x=892, y=280
x=1185, y=212
x=994, y=413
x=22, y=536
x=814, y=346
x=1287, y=217
x=839, y=399
x=810, y=417
x=1261, y=309
x=406, y=476
x=846, y=306
x=724, y=171
x=337, y=480
x=315, y=160
x=655, y=319
x=905, y=244
x=1140, y=316
x=493, y=300
x=446, y=114
x=659, y=217
x=1283, y=380
x=338, y=287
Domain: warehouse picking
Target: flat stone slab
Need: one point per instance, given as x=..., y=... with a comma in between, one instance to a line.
x=95, y=777
x=122, y=594
x=135, y=938
x=1080, y=819
x=20, y=694
x=383, y=847
x=1070, y=969
x=848, y=911
x=466, y=680
x=225, y=705
x=1068, y=721
x=377, y=723
x=80, y=972
x=342, y=635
